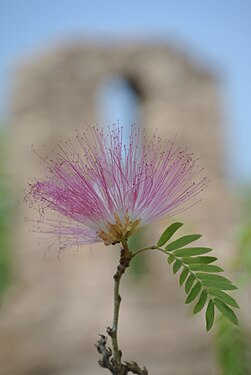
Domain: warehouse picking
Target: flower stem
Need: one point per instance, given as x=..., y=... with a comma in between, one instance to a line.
x=111, y=359
x=125, y=258
x=148, y=248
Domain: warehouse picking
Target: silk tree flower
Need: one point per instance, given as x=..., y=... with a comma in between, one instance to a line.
x=105, y=189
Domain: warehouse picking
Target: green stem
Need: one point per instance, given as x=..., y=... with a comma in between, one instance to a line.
x=148, y=248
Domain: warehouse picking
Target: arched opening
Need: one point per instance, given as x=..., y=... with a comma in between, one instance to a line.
x=119, y=101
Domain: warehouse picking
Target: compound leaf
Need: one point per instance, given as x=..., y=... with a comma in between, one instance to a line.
x=171, y=259
x=199, y=276
x=204, y=260
x=209, y=315
x=189, y=283
x=201, y=303
x=224, y=297
x=219, y=285
x=183, y=275
x=182, y=241
x=205, y=267
x=191, y=251
x=226, y=311
x=209, y=276
x=168, y=233
x=194, y=292
x=176, y=266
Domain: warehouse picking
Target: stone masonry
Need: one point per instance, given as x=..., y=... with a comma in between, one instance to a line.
x=55, y=309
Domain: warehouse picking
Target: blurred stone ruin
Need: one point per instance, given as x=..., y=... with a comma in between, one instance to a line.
x=53, y=312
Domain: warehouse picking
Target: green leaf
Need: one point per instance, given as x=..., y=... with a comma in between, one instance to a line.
x=226, y=311
x=171, y=259
x=183, y=275
x=210, y=315
x=200, y=277
x=190, y=251
x=189, y=283
x=168, y=233
x=195, y=260
x=205, y=267
x=176, y=266
x=201, y=303
x=183, y=241
x=224, y=297
x=219, y=285
x=209, y=276
x=194, y=292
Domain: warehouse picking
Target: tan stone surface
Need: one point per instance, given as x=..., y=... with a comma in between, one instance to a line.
x=55, y=309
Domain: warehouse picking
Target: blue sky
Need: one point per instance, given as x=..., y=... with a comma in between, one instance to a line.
x=217, y=31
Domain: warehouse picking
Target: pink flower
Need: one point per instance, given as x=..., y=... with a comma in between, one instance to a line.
x=105, y=190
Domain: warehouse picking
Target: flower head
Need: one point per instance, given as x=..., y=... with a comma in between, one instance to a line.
x=105, y=189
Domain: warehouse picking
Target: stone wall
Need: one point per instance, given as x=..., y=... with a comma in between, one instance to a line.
x=55, y=309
